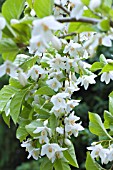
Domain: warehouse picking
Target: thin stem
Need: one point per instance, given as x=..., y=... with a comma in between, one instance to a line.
x=67, y=35
x=84, y=19
x=64, y=9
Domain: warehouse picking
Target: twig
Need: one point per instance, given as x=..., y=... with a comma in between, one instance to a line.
x=84, y=19
x=67, y=35
x=64, y=9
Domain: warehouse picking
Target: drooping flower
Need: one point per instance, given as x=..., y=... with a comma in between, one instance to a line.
x=42, y=34
x=106, y=76
x=54, y=84
x=8, y=68
x=85, y=80
x=52, y=151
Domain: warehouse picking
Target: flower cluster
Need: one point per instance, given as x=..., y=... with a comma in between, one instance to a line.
x=105, y=154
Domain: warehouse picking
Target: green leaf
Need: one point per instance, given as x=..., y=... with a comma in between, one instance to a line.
x=30, y=2
x=108, y=67
x=111, y=102
x=108, y=117
x=53, y=122
x=96, y=126
x=60, y=164
x=5, y=94
x=70, y=155
x=7, y=45
x=12, y=9
x=45, y=90
x=42, y=113
x=79, y=27
x=10, y=55
x=15, y=83
x=43, y=7
x=85, y=2
x=16, y=104
x=21, y=133
x=46, y=164
x=32, y=126
x=105, y=25
x=96, y=66
x=6, y=119
x=29, y=63
x=90, y=163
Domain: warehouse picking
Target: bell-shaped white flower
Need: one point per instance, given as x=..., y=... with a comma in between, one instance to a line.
x=78, y=8
x=58, y=100
x=8, y=68
x=52, y=151
x=85, y=80
x=54, y=84
x=35, y=71
x=106, y=76
x=34, y=153
x=42, y=34
x=98, y=151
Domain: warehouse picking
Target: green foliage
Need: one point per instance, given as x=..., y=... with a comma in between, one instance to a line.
x=43, y=8
x=90, y=163
x=96, y=126
x=12, y=9
x=61, y=164
x=70, y=156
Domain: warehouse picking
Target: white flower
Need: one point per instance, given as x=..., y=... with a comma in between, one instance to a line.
x=35, y=71
x=43, y=130
x=60, y=130
x=2, y=25
x=42, y=34
x=58, y=100
x=110, y=154
x=106, y=76
x=34, y=153
x=58, y=62
x=54, y=84
x=106, y=41
x=74, y=49
x=57, y=112
x=8, y=68
x=98, y=150
x=78, y=8
x=85, y=80
x=43, y=139
x=71, y=104
x=76, y=128
x=94, y=4
x=71, y=119
x=52, y=151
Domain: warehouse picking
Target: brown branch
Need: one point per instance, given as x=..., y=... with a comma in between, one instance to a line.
x=84, y=19
x=61, y=7
x=67, y=35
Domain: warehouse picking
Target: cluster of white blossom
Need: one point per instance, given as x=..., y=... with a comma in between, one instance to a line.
x=105, y=154
x=63, y=72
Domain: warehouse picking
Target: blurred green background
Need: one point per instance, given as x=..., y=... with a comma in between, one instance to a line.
x=95, y=99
